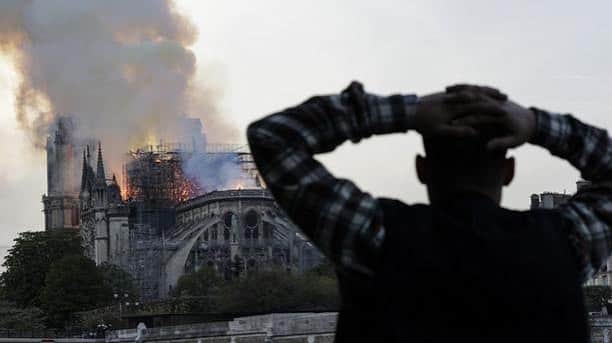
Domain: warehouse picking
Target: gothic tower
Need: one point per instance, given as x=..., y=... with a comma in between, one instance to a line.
x=61, y=204
x=100, y=205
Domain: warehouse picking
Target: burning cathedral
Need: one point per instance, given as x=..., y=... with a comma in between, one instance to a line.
x=176, y=208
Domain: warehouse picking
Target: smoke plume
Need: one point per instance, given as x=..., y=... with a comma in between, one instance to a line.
x=122, y=69
x=216, y=172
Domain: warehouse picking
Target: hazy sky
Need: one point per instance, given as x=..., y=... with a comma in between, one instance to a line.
x=266, y=55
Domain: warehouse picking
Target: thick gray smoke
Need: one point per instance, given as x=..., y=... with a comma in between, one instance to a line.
x=122, y=69
x=216, y=171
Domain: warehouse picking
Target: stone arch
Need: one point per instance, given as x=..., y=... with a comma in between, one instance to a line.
x=252, y=219
x=174, y=265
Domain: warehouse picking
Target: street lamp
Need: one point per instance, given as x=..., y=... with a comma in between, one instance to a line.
x=117, y=296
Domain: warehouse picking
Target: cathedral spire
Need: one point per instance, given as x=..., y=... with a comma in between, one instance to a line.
x=88, y=155
x=84, y=172
x=100, y=176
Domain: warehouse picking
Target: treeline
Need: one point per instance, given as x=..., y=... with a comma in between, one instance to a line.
x=49, y=283
x=47, y=279
x=204, y=293
x=275, y=290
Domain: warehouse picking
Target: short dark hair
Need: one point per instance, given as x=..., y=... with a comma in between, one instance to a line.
x=464, y=160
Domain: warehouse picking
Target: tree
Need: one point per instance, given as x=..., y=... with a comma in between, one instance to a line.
x=15, y=318
x=265, y=291
x=278, y=291
x=118, y=280
x=29, y=260
x=237, y=266
x=73, y=284
x=204, y=282
x=596, y=297
x=326, y=268
x=319, y=292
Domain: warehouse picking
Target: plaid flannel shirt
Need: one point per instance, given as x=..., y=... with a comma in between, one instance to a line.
x=589, y=211
x=346, y=223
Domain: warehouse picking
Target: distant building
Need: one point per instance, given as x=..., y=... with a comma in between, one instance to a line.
x=552, y=200
x=548, y=200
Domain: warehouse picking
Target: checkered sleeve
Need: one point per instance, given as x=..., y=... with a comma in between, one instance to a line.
x=589, y=212
x=343, y=221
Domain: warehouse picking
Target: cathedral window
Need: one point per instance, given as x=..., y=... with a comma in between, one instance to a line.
x=267, y=231
x=226, y=234
x=206, y=235
x=251, y=219
x=228, y=219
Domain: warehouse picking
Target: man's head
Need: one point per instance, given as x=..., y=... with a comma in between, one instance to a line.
x=456, y=164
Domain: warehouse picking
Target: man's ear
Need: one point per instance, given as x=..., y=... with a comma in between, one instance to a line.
x=509, y=167
x=421, y=168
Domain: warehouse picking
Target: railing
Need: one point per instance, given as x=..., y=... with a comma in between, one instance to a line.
x=50, y=333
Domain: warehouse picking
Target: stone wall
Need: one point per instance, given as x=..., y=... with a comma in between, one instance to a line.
x=601, y=329
x=276, y=327
x=281, y=328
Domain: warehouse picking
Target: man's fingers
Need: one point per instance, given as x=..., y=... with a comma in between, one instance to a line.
x=460, y=88
x=489, y=91
x=501, y=143
x=457, y=131
x=494, y=93
x=477, y=119
x=461, y=98
x=479, y=108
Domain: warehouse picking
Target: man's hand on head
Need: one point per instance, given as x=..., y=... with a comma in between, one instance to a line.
x=517, y=122
x=437, y=113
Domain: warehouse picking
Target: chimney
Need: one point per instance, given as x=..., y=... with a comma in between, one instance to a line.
x=535, y=201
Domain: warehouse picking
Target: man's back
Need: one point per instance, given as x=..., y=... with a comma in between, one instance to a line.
x=472, y=270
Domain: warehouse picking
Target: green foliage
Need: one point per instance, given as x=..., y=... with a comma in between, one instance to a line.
x=256, y=292
x=237, y=266
x=118, y=280
x=596, y=297
x=25, y=319
x=108, y=315
x=201, y=283
x=29, y=260
x=265, y=291
x=278, y=291
x=319, y=292
x=324, y=269
x=73, y=284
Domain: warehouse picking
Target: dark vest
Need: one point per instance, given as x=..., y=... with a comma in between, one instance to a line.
x=468, y=271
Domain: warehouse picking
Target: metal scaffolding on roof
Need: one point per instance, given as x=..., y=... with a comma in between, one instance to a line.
x=156, y=175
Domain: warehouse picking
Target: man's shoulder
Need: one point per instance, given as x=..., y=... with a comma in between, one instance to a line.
x=537, y=214
x=392, y=204
x=395, y=210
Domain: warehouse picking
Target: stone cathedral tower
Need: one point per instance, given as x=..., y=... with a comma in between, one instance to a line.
x=104, y=216
x=61, y=203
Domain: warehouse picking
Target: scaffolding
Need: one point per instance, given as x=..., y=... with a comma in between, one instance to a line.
x=155, y=175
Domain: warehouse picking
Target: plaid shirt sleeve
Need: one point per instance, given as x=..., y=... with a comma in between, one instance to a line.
x=589, y=212
x=343, y=221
